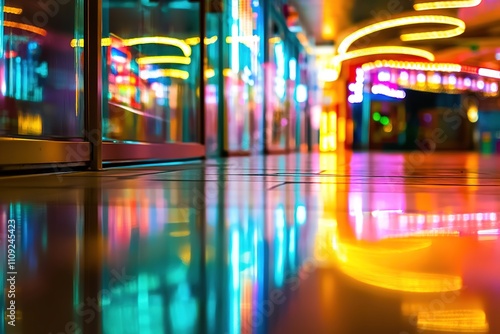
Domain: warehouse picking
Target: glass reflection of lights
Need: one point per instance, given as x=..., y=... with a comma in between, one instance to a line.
x=454, y=321
x=234, y=272
x=280, y=251
x=301, y=214
x=280, y=83
x=301, y=93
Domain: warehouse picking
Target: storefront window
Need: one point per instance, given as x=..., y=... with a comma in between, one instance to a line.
x=278, y=95
x=244, y=76
x=41, y=69
x=151, y=82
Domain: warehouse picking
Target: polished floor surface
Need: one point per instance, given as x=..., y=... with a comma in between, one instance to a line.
x=335, y=244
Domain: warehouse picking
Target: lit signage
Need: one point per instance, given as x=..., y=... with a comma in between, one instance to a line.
x=381, y=89
x=357, y=88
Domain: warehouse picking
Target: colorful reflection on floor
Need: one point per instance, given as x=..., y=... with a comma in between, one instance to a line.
x=332, y=243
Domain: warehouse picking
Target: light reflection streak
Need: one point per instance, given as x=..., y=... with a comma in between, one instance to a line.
x=454, y=321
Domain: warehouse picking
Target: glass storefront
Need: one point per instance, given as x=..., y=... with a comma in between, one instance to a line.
x=151, y=73
x=41, y=74
x=243, y=76
x=178, y=81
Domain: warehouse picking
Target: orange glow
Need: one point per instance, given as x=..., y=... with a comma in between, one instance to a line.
x=26, y=27
x=328, y=132
x=454, y=321
x=12, y=10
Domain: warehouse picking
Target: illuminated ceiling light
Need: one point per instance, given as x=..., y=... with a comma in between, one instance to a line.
x=421, y=78
x=446, y=4
x=12, y=10
x=164, y=60
x=163, y=73
x=26, y=27
x=186, y=49
x=419, y=36
x=384, y=50
x=467, y=82
x=405, y=21
x=480, y=84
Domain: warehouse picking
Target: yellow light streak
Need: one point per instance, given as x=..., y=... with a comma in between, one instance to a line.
x=405, y=21
x=376, y=50
x=196, y=40
x=454, y=321
x=12, y=10
x=26, y=27
x=446, y=4
x=418, y=66
x=164, y=60
x=186, y=49
x=171, y=73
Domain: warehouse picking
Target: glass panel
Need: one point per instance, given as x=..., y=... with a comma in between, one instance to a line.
x=277, y=92
x=213, y=80
x=244, y=76
x=41, y=69
x=151, y=82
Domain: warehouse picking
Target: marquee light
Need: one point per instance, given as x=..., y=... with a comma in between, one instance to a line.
x=186, y=49
x=12, y=10
x=417, y=66
x=26, y=27
x=446, y=4
x=405, y=21
x=485, y=72
x=164, y=60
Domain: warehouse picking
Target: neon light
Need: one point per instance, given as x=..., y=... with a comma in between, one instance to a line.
x=485, y=72
x=385, y=50
x=12, y=10
x=357, y=88
x=420, y=36
x=446, y=4
x=388, y=91
x=186, y=49
x=405, y=21
x=26, y=27
x=164, y=60
x=172, y=73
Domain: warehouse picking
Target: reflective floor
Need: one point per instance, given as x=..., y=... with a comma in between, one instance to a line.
x=348, y=243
